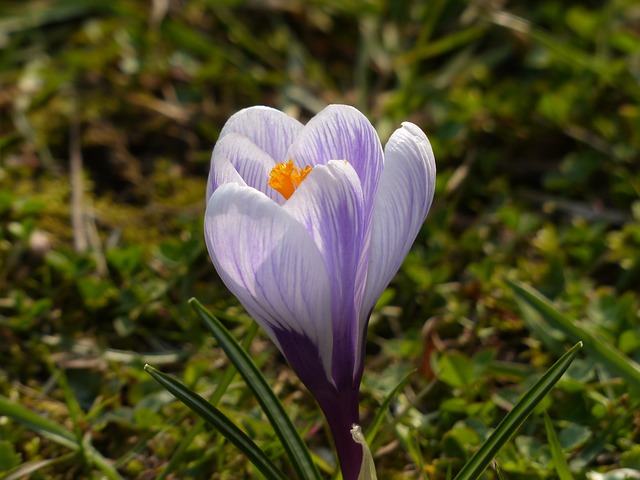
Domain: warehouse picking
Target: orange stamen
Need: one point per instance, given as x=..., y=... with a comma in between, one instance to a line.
x=286, y=177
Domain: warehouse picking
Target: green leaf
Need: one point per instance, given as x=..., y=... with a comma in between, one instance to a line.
x=559, y=461
x=515, y=418
x=221, y=388
x=445, y=44
x=574, y=436
x=26, y=469
x=57, y=433
x=9, y=458
x=456, y=370
x=608, y=355
x=25, y=17
x=75, y=413
x=41, y=425
x=273, y=409
x=631, y=458
x=220, y=422
x=384, y=406
x=561, y=50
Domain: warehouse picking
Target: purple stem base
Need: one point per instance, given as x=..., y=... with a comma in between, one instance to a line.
x=341, y=412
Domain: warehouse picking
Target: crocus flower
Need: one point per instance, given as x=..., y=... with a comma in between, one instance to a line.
x=306, y=226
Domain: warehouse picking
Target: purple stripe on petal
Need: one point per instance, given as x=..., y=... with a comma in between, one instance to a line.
x=270, y=129
x=305, y=359
x=266, y=258
x=250, y=162
x=222, y=171
x=330, y=204
x=402, y=202
x=340, y=132
x=340, y=407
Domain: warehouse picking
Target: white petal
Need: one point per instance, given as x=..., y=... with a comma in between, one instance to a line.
x=235, y=155
x=403, y=199
x=270, y=129
x=268, y=261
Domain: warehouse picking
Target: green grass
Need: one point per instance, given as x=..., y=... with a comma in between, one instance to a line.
x=534, y=116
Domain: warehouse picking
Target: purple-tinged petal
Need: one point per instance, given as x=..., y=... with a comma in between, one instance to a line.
x=270, y=129
x=221, y=172
x=235, y=153
x=401, y=205
x=340, y=132
x=330, y=204
x=269, y=262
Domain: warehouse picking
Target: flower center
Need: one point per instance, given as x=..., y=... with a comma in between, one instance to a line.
x=286, y=177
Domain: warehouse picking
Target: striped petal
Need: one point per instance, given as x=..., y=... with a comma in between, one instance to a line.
x=340, y=132
x=269, y=262
x=402, y=202
x=330, y=204
x=270, y=129
x=237, y=156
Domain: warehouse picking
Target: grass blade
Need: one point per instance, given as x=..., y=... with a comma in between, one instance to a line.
x=100, y=462
x=220, y=422
x=273, y=409
x=221, y=388
x=41, y=425
x=443, y=45
x=560, y=463
x=509, y=425
x=608, y=355
x=22, y=17
x=565, y=52
x=57, y=433
x=29, y=468
x=384, y=406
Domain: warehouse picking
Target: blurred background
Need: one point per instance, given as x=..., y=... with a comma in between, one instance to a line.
x=108, y=115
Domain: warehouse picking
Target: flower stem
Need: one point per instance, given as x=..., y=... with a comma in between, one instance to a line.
x=341, y=412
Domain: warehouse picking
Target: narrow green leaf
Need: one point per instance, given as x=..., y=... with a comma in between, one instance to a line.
x=101, y=463
x=23, y=16
x=220, y=422
x=509, y=369
x=273, y=409
x=443, y=45
x=41, y=425
x=559, y=461
x=87, y=450
x=27, y=469
x=221, y=388
x=509, y=425
x=565, y=52
x=607, y=354
x=75, y=412
x=433, y=17
x=552, y=338
x=57, y=433
x=384, y=406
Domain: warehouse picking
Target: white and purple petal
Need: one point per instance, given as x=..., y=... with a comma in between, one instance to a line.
x=404, y=197
x=330, y=204
x=341, y=132
x=236, y=155
x=270, y=263
x=271, y=130
x=222, y=172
